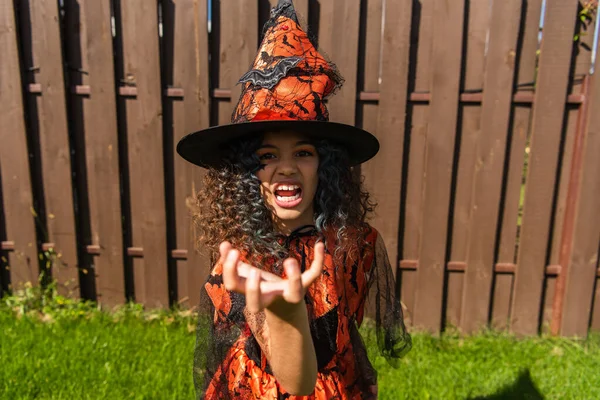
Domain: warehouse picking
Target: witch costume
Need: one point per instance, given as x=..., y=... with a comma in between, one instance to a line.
x=285, y=91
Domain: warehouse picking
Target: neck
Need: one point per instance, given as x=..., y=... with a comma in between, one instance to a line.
x=285, y=227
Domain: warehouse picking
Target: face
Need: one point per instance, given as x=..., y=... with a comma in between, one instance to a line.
x=289, y=178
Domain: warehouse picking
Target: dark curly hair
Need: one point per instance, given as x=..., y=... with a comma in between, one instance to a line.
x=231, y=206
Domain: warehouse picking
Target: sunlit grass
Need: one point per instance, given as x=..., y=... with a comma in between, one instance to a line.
x=75, y=351
x=495, y=366
x=95, y=357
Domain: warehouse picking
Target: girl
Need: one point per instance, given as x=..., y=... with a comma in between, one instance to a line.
x=285, y=218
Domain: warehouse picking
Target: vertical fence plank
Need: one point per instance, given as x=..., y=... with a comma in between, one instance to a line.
x=565, y=158
x=473, y=82
x=555, y=62
x=21, y=263
x=582, y=271
x=371, y=14
x=527, y=61
x=583, y=53
x=371, y=17
x=145, y=150
x=369, y=68
x=235, y=33
x=470, y=131
x=90, y=58
x=417, y=123
x=564, y=217
x=582, y=64
x=386, y=188
x=572, y=114
x=445, y=69
x=497, y=98
x=338, y=16
x=421, y=52
x=41, y=20
x=185, y=19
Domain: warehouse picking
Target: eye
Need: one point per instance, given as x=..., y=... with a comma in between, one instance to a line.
x=266, y=156
x=305, y=153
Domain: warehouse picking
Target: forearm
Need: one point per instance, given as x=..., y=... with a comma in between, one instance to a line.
x=291, y=351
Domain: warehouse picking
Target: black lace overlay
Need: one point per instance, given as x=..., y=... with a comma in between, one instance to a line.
x=229, y=362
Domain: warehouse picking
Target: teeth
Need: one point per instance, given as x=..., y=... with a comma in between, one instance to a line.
x=289, y=187
x=287, y=199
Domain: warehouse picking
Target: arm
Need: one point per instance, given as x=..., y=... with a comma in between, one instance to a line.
x=292, y=353
x=285, y=336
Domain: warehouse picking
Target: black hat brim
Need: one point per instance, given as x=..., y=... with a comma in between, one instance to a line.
x=204, y=148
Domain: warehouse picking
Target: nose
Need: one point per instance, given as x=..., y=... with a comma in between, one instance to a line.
x=287, y=166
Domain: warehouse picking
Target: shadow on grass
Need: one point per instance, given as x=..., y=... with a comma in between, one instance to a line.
x=523, y=388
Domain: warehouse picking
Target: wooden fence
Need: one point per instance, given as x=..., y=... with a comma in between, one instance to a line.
x=96, y=93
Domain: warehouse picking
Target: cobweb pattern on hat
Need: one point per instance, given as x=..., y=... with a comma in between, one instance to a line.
x=289, y=79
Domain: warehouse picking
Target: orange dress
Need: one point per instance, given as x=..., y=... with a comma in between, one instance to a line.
x=229, y=363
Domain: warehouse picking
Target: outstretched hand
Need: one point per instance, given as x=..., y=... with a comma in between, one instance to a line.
x=266, y=290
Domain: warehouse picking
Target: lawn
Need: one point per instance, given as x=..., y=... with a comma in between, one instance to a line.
x=75, y=351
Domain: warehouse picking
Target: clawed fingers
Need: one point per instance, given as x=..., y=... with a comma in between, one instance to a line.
x=223, y=251
x=244, y=271
x=231, y=279
x=294, y=291
x=298, y=283
x=261, y=288
x=316, y=267
x=253, y=292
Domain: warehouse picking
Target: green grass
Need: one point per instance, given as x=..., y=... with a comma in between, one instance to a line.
x=73, y=351
x=495, y=366
x=95, y=358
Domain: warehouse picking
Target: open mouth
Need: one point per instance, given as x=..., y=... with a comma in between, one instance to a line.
x=288, y=196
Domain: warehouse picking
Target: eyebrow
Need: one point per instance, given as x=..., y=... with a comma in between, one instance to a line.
x=300, y=143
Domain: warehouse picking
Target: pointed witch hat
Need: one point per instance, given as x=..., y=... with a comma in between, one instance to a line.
x=284, y=91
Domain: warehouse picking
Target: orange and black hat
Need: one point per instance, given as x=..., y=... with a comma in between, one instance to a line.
x=284, y=91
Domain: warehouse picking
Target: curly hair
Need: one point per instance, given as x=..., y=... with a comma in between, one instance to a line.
x=231, y=205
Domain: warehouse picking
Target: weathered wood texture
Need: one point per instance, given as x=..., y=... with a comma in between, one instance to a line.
x=186, y=70
x=16, y=200
x=552, y=83
x=94, y=121
x=386, y=187
x=368, y=80
x=569, y=181
x=439, y=157
x=469, y=133
x=517, y=143
x=472, y=180
x=144, y=130
x=421, y=42
x=489, y=163
x=336, y=16
x=235, y=38
x=42, y=49
x=576, y=251
x=583, y=263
